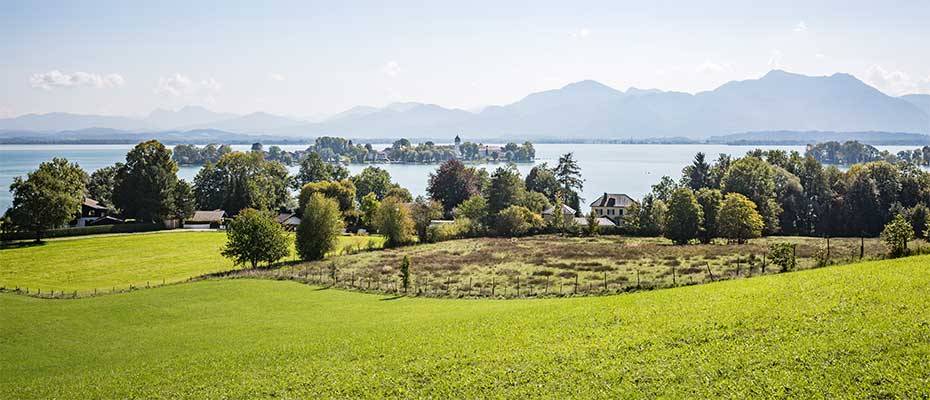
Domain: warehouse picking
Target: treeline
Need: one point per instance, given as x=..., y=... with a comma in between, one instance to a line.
x=341, y=150
x=853, y=152
x=778, y=193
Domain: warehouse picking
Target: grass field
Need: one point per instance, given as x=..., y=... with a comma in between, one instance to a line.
x=853, y=331
x=106, y=261
x=553, y=265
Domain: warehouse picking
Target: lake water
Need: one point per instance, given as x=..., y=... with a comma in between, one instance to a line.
x=622, y=168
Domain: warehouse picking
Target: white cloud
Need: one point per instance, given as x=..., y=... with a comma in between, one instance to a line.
x=581, y=33
x=181, y=85
x=709, y=67
x=801, y=27
x=820, y=56
x=775, y=59
x=276, y=77
x=896, y=82
x=55, y=79
x=391, y=68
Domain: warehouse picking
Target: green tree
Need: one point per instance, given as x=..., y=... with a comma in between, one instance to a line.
x=48, y=198
x=144, y=187
x=664, y=188
x=684, y=217
x=451, y=184
x=782, y=255
x=592, y=224
x=405, y=273
x=568, y=173
x=918, y=216
x=254, y=236
x=369, y=208
x=423, y=211
x=342, y=191
x=517, y=221
x=710, y=200
x=320, y=227
x=184, y=202
x=754, y=178
x=738, y=218
x=541, y=179
x=697, y=175
x=242, y=180
x=372, y=180
x=506, y=189
x=314, y=169
x=534, y=201
x=394, y=222
x=862, y=203
x=102, y=182
x=896, y=235
x=475, y=210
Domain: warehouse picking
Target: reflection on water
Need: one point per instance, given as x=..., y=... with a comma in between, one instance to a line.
x=624, y=168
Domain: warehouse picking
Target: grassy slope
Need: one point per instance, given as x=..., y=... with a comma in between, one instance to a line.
x=119, y=260
x=849, y=331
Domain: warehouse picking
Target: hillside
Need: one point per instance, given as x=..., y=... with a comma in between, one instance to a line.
x=856, y=331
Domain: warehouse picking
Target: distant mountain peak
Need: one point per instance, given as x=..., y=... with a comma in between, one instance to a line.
x=587, y=84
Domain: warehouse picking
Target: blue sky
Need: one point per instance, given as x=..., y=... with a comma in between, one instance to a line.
x=307, y=58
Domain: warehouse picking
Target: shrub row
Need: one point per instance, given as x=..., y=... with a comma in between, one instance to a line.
x=86, y=230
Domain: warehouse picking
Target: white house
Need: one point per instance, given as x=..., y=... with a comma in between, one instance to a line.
x=612, y=206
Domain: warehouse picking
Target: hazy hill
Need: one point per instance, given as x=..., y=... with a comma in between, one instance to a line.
x=57, y=121
x=186, y=116
x=921, y=101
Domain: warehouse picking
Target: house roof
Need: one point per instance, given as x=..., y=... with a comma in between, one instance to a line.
x=565, y=210
x=208, y=216
x=106, y=220
x=613, y=200
x=283, y=217
x=601, y=221
x=89, y=202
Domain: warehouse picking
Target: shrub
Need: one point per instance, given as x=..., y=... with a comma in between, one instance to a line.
x=517, y=221
x=255, y=236
x=394, y=222
x=456, y=230
x=896, y=234
x=782, y=255
x=319, y=227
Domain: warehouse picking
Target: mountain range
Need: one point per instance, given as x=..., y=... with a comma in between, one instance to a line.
x=778, y=101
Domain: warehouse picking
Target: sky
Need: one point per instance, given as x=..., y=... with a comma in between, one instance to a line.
x=309, y=59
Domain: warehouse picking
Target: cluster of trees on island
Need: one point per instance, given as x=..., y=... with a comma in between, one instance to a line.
x=853, y=152
x=341, y=150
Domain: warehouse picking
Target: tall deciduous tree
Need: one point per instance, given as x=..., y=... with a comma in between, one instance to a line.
x=49, y=197
x=684, y=217
x=394, y=222
x=506, y=189
x=423, y=211
x=738, y=218
x=372, y=180
x=102, y=182
x=451, y=184
x=541, y=179
x=754, y=178
x=145, y=185
x=710, y=200
x=320, y=227
x=342, y=191
x=242, y=180
x=314, y=169
x=254, y=236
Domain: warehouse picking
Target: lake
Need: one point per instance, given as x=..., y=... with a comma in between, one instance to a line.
x=623, y=168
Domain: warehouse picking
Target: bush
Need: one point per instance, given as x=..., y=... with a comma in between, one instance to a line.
x=394, y=222
x=319, y=227
x=255, y=236
x=517, y=221
x=782, y=255
x=456, y=230
x=896, y=234
x=738, y=219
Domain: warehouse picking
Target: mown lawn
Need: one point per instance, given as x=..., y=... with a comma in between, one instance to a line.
x=853, y=331
x=107, y=261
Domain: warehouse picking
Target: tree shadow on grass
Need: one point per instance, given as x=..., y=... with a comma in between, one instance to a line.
x=395, y=297
x=23, y=244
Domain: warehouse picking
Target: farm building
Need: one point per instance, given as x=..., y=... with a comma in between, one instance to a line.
x=215, y=219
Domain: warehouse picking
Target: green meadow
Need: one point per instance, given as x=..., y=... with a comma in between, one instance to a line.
x=103, y=262
x=851, y=331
